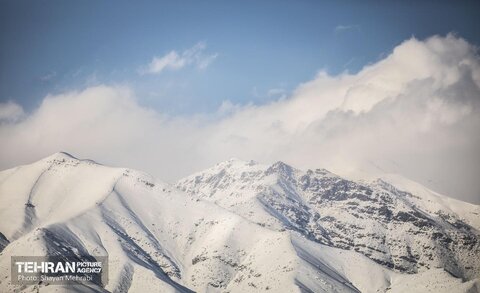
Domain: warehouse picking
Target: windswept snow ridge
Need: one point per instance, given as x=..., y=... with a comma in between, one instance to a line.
x=238, y=227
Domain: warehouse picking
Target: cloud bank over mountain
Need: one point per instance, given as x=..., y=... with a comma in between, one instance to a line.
x=416, y=112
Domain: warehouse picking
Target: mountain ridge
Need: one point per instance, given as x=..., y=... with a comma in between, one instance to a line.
x=160, y=239
x=322, y=188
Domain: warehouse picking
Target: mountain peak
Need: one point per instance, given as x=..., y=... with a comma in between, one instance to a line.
x=64, y=156
x=61, y=155
x=281, y=168
x=282, y=164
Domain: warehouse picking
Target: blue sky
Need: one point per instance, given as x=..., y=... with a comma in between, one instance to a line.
x=262, y=47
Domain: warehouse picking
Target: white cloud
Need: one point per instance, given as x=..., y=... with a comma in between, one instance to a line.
x=10, y=112
x=416, y=112
x=175, y=61
x=205, y=61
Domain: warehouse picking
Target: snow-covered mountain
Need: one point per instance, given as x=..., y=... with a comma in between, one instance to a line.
x=407, y=232
x=239, y=227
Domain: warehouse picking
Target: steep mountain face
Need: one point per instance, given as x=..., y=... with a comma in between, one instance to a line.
x=239, y=227
x=398, y=229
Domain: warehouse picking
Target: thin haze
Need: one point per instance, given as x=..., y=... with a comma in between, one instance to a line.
x=406, y=104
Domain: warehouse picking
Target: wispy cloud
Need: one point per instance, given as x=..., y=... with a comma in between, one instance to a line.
x=342, y=28
x=279, y=93
x=48, y=77
x=174, y=60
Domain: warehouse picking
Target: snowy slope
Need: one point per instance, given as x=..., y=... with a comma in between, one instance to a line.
x=218, y=236
x=408, y=229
